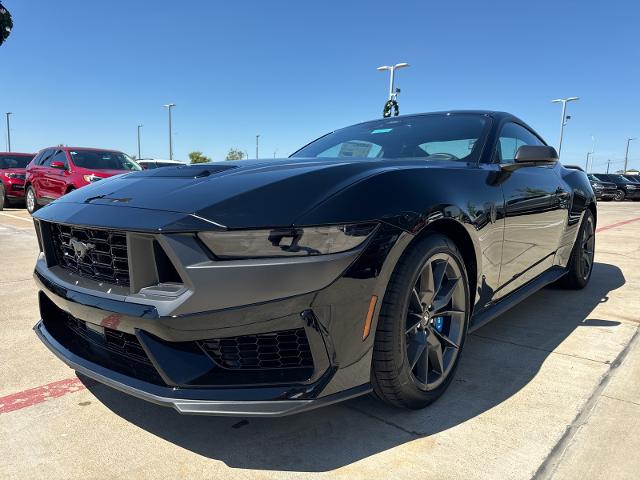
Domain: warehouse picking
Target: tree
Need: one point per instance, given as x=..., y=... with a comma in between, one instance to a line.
x=198, y=157
x=235, y=154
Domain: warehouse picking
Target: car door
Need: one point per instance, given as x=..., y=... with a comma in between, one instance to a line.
x=58, y=176
x=40, y=176
x=535, y=211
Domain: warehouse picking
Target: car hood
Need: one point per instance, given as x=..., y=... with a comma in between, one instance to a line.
x=231, y=194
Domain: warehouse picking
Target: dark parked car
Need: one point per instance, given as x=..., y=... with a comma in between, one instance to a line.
x=360, y=263
x=603, y=190
x=625, y=188
x=632, y=178
x=56, y=171
x=12, y=174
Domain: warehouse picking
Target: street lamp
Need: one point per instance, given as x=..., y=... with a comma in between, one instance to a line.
x=564, y=118
x=626, y=154
x=8, y=132
x=139, y=127
x=392, y=69
x=257, y=143
x=169, y=106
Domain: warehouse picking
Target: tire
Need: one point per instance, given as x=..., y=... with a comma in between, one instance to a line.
x=30, y=200
x=3, y=199
x=581, y=262
x=619, y=195
x=420, y=334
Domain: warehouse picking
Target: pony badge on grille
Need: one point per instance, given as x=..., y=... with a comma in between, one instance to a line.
x=80, y=249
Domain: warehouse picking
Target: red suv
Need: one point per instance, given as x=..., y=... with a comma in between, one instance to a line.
x=12, y=173
x=56, y=171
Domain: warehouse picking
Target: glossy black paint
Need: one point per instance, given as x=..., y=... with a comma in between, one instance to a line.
x=515, y=226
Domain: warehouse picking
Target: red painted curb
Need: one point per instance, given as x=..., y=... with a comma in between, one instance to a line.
x=34, y=396
x=619, y=224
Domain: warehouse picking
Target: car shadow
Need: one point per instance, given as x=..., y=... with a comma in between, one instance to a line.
x=499, y=360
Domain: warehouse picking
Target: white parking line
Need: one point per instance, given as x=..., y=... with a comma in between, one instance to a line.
x=19, y=218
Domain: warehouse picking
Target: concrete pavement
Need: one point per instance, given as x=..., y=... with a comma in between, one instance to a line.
x=550, y=389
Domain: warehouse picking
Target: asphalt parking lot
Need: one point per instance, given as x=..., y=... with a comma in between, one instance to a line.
x=550, y=389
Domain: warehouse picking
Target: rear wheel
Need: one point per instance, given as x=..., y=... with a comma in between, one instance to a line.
x=30, y=200
x=581, y=262
x=422, y=325
x=619, y=195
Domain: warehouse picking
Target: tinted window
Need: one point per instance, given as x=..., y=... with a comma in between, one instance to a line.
x=14, y=161
x=512, y=137
x=45, y=159
x=102, y=160
x=429, y=137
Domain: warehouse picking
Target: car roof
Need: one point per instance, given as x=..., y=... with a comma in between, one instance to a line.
x=66, y=147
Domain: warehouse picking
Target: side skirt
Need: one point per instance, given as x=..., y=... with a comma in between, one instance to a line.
x=516, y=297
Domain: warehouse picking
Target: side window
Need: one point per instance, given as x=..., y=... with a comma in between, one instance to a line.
x=45, y=159
x=511, y=138
x=60, y=156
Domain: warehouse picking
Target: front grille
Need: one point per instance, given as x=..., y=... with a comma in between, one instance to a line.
x=276, y=350
x=98, y=254
x=115, y=341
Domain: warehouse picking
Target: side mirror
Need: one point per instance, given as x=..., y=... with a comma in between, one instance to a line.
x=536, y=154
x=58, y=165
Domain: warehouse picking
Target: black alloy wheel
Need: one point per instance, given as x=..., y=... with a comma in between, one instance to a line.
x=619, y=195
x=422, y=324
x=588, y=246
x=435, y=321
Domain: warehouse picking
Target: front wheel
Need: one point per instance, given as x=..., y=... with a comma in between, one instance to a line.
x=2, y=197
x=619, y=195
x=30, y=200
x=422, y=325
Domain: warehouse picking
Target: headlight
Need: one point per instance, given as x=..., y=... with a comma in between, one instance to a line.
x=286, y=242
x=91, y=178
x=597, y=186
x=17, y=176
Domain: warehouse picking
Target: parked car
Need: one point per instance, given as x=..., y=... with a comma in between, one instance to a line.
x=270, y=287
x=150, y=163
x=604, y=190
x=632, y=178
x=56, y=171
x=12, y=174
x=624, y=188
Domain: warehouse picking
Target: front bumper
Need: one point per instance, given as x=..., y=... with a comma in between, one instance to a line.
x=14, y=188
x=212, y=403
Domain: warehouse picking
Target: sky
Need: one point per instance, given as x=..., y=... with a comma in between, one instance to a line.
x=86, y=73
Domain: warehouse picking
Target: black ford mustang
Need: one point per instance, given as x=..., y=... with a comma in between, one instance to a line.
x=360, y=263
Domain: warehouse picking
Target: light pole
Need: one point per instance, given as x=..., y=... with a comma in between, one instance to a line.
x=564, y=118
x=608, y=163
x=626, y=153
x=8, y=132
x=169, y=106
x=274, y=153
x=257, y=144
x=392, y=69
x=586, y=167
x=139, y=127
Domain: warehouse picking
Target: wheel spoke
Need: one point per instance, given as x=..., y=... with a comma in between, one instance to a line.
x=422, y=367
x=444, y=294
x=427, y=288
x=415, y=302
x=416, y=348
x=444, y=339
x=413, y=320
x=439, y=270
x=435, y=354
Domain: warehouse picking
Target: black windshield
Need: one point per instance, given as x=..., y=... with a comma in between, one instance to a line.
x=430, y=137
x=103, y=160
x=15, y=161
